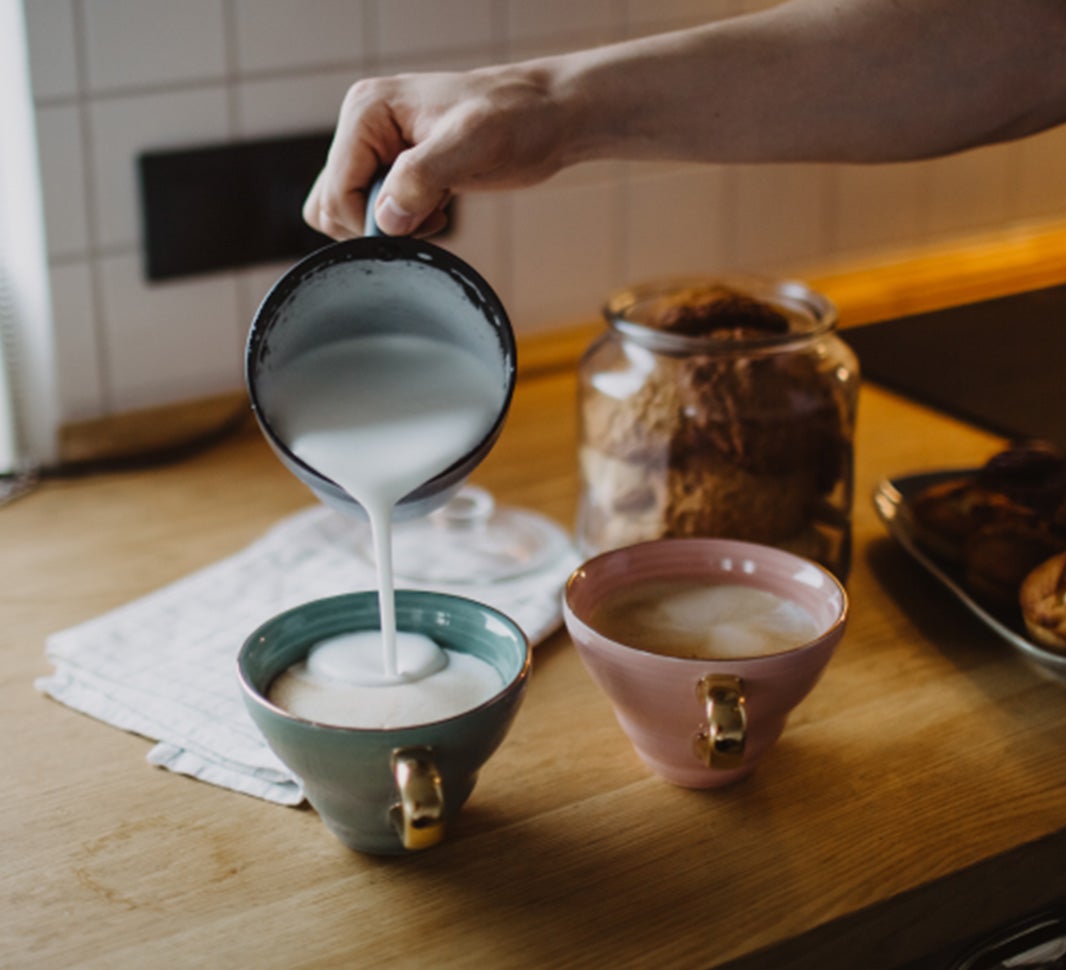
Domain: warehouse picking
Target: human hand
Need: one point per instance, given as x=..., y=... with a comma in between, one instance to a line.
x=440, y=134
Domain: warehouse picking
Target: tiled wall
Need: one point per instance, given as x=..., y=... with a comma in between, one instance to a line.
x=113, y=77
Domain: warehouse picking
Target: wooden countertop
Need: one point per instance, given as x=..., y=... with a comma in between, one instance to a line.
x=917, y=797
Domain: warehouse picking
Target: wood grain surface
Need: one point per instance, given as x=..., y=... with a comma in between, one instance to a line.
x=917, y=796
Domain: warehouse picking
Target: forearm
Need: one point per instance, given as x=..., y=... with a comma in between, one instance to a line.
x=810, y=80
x=863, y=80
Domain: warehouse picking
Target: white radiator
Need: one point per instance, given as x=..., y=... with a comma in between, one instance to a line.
x=9, y=443
x=29, y=400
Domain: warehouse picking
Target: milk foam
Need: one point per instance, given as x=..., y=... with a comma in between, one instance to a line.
x=696, y=619
x=380, y=415
x=463, y=683
x=355, y=658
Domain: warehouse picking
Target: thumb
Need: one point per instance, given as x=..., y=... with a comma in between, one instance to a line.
x=410, y=194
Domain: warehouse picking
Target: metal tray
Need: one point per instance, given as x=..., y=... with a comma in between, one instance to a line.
x=891, y=498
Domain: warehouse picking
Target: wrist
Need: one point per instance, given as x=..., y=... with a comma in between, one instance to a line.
x=621, y=100
x=586, y=105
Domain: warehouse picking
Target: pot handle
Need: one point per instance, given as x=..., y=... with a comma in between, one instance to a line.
x=370, y=226
x=720, y=743
x=418, y=817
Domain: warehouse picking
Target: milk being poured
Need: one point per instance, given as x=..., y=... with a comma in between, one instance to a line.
x=380, y=415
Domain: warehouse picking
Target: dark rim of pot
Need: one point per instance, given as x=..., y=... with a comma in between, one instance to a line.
x=383, y=249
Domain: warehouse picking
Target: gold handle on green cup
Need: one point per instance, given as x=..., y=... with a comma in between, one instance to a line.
x=720, y=744
x=418, y=817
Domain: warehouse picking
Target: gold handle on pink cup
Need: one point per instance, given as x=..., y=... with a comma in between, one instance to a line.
x=418, y=817
x=720, y=745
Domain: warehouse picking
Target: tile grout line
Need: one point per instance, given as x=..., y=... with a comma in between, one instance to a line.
x=92, y=220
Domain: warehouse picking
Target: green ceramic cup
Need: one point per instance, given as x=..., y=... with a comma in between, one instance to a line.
x=387, y=791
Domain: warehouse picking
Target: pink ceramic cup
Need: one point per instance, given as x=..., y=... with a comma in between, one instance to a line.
x=704, y=723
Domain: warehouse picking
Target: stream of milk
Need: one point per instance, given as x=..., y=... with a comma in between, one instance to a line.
x=380, y=415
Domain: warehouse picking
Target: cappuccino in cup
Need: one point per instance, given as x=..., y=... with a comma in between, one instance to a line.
x=693, y=618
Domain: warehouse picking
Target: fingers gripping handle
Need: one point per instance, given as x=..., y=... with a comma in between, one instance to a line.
x=418, y=817
x=720, y=744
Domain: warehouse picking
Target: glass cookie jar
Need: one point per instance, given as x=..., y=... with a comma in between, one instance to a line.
x=719, y=407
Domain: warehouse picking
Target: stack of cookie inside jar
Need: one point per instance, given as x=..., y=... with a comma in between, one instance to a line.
x=719, y=407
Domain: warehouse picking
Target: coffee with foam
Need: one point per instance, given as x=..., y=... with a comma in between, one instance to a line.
x=691, y=618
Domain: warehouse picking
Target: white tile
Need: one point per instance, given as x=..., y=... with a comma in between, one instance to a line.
x=751, y=6
x=275, y=35
x=408, y=27
x=133, y=43
x=877, y=206
x=569, y=23
x=564, y=249
x=677, y=223
x=81, y=385
x=50, y=38
x=167, y=342
x=304, y=103
x=649, y=16
x=479, y=235
x=780, y=213
x=588, y=173
x=637, y=169
x=966, y=192
x=1040, y=185
x=121, y=128
x=62, y=180
x=422, y=61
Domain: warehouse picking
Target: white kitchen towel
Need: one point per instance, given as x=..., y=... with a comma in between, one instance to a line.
x=164, y=666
